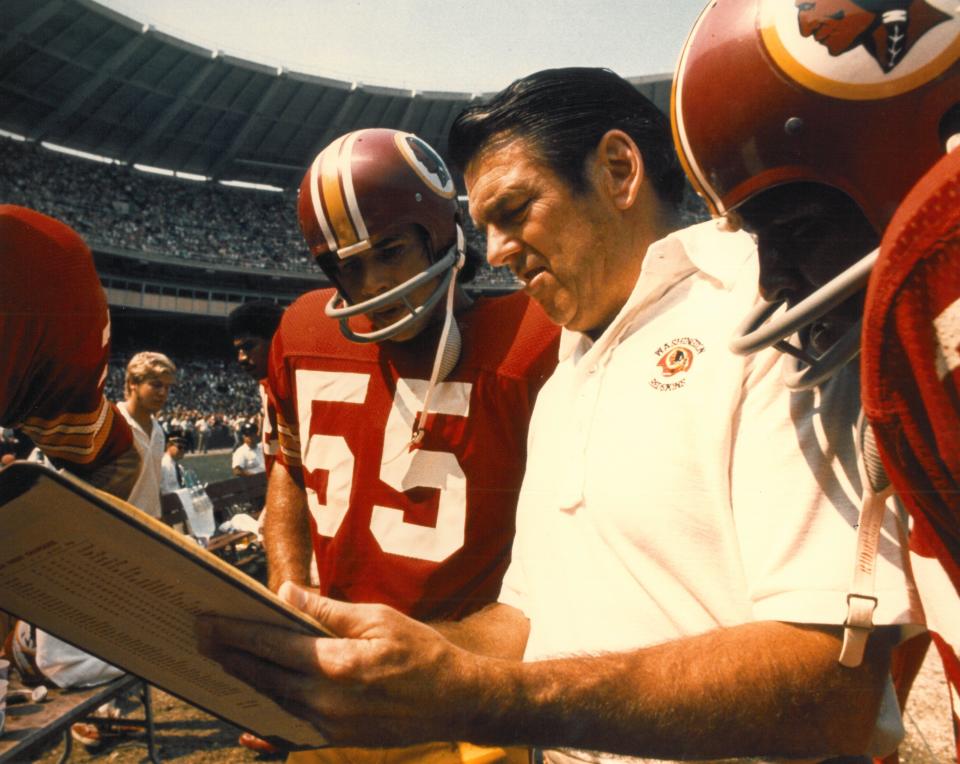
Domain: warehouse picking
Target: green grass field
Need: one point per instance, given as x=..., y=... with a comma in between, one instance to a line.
x=210, y=467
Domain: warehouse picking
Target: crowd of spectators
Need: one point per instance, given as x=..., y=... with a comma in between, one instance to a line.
x=117, y=206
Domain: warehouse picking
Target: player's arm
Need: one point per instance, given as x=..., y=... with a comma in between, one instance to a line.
x=768, y=688
x=120, y=475
x=286, y=530
x=497, y=630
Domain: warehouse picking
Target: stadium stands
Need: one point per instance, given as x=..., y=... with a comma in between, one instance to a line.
x=116, y=206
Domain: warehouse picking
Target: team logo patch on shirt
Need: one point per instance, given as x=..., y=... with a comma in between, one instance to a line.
x=674, y=359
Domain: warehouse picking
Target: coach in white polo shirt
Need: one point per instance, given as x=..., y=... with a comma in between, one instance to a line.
x=685, y=531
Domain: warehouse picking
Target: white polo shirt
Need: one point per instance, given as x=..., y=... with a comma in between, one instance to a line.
x=666, y=494
x=145, y=494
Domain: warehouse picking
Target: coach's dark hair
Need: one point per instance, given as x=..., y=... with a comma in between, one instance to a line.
x=257, y=318
x=564, y=113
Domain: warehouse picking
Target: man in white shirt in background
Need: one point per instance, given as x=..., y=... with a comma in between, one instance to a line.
x=149, y=378
x=148, y=381
x=171, y=473
x=248, y=458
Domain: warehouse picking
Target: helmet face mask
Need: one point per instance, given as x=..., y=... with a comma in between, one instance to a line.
x=394, y=285
x=358, y=193
x=806, y=235
x=771, y=95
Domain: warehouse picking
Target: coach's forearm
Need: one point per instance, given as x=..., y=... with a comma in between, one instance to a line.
x=767, y=689
x=286, y=531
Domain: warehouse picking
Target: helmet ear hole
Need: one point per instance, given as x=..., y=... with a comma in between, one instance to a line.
x=950, y=128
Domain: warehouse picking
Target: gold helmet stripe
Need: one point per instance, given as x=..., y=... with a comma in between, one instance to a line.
x=346, y=175
x=335, y=206
x=318, y=203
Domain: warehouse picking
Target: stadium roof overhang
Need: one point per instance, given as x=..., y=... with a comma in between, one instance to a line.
x=77, y=74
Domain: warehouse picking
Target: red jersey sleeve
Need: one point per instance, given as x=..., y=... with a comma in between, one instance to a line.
x=55, y=335
x=269, y=436
x=279, y=392
x=911, y=356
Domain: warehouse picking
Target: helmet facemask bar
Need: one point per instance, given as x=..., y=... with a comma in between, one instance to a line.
x=804, y=371
x=339, y=309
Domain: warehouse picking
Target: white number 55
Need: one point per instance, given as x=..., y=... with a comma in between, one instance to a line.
x=400, y=468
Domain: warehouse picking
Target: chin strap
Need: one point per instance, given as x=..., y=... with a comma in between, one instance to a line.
x=761, y=328
x=861, y=601
x=448, y=348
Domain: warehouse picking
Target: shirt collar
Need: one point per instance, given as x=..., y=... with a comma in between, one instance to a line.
x=694, y=248
x=710, y=247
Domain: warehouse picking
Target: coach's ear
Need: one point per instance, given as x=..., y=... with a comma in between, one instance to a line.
x=620, y=165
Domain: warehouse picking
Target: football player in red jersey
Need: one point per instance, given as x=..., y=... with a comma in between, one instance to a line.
x=815, y=148
x=403, y=420
x=251, y=327
x=55, y=337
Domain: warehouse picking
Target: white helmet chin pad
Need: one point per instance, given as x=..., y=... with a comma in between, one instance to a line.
x=805, y=371
x=447, y=267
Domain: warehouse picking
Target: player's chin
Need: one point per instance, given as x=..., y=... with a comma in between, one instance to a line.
x=405, y=335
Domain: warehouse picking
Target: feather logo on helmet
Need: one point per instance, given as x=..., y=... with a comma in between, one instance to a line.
x=426, y=163
x=861, y=49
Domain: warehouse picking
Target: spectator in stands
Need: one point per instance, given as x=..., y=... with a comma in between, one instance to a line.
x=148, y=381
x=251, y=328
x=171, y=473
x=248, y=458
x=141, y=212
x=201, y=429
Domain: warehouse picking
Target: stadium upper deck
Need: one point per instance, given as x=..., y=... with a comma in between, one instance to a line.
x=75, y=73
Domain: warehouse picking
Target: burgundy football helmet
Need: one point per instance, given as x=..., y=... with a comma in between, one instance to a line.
x=859, y=95
x=357, y=187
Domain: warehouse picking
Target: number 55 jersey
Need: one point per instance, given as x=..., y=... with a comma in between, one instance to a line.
x=427, y=527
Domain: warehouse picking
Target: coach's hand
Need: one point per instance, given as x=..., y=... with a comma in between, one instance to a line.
x=384, y=679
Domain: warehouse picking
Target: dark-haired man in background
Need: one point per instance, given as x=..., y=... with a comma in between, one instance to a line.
x=251, y=327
